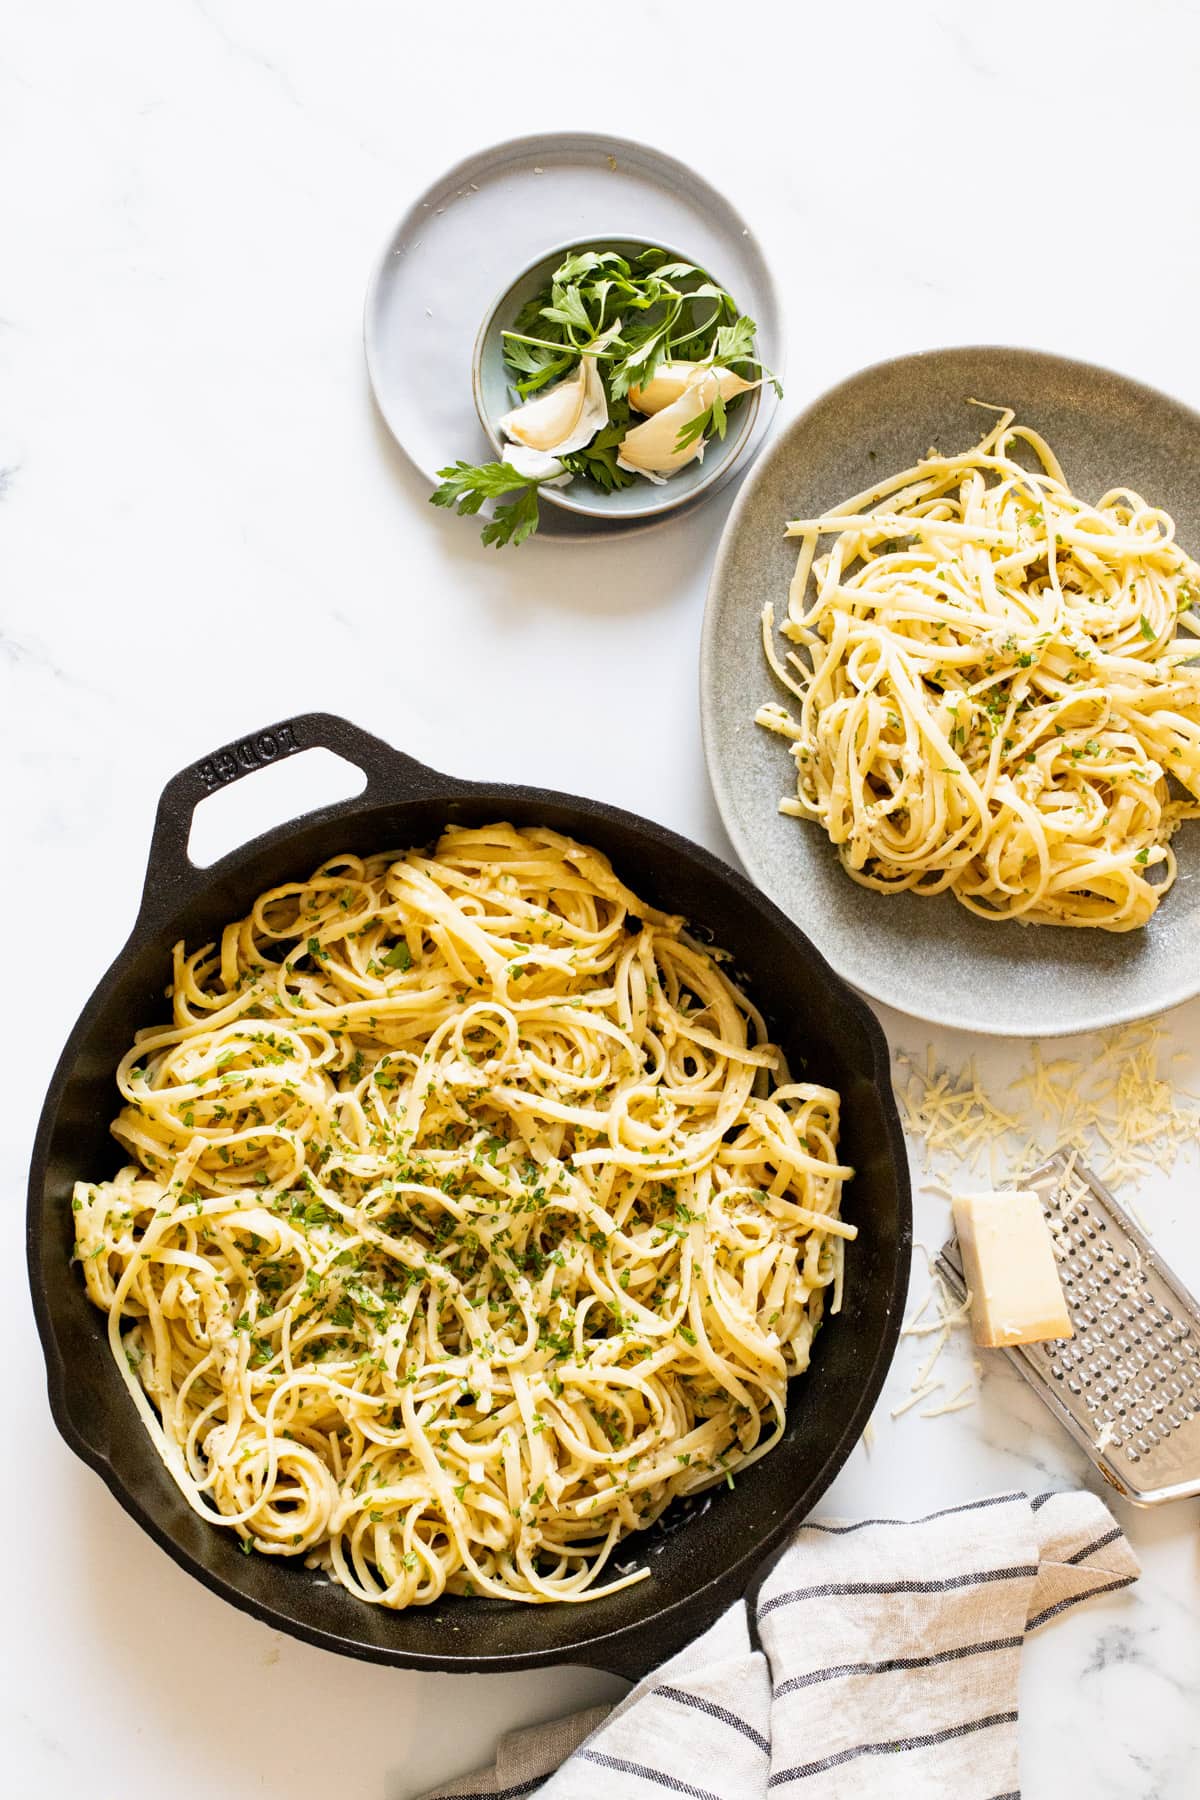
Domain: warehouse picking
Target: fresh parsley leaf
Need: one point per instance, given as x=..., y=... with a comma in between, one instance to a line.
x=598, y=291
x=1147, y=630
x=586, y=261
x=735, y=343
x=671, y=271
x=646, y=345
x=465, y=487
x=476, y=483
x=697, y=427
x=515, y=521
x=541, y=363
x=567, y=308
x=597, y=461
x=398, y=957
x=712, y=419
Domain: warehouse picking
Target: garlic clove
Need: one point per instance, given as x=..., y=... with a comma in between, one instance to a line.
x=667, y=384
x=568, y=415
x=672, y=379
x=549, y=419
x=650, y=448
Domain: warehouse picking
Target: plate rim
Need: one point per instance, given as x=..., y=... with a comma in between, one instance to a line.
x=608, y=143
x=1103, y=1019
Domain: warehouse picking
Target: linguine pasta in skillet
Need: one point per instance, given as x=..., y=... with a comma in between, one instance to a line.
x=469, y=1220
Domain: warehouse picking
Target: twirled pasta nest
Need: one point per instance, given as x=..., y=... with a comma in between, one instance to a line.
x=993, y=697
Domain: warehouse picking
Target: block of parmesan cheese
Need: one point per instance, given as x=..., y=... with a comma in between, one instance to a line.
x=1008, y=1261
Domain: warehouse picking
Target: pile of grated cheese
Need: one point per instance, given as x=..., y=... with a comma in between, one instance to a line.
x=950, y=1115
x=1117, y=1105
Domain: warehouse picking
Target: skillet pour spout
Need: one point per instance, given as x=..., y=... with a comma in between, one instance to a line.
x=701, y=1557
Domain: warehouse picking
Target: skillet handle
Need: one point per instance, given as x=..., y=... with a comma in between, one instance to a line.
x=391, y=775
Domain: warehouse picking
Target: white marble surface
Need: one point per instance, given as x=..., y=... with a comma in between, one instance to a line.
x=203, y=529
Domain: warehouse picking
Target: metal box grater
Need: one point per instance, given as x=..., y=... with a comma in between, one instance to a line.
x=1127, y=1385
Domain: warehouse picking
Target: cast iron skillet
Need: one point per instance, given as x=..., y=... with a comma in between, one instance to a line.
x=700, y=1561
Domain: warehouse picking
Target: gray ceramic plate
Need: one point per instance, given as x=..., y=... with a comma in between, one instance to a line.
x=466, y=237
x=932, y=958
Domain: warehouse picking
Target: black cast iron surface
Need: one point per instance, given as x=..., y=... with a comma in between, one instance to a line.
x=699, y=1563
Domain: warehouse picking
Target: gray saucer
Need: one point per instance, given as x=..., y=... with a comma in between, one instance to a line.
x=479, y=225
x=932, y=958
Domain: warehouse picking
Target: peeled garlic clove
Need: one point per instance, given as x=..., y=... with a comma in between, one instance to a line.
x=549, y=419
x=668, y=384
x=567, y=416
x=538, y=465
x=650, y=449
x=672, y=379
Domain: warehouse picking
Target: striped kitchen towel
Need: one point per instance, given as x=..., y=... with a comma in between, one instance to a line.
x=890, y=1652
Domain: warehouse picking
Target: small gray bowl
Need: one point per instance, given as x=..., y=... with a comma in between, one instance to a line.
x=494, y=397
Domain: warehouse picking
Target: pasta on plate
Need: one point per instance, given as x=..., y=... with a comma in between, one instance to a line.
x=469, y=1220
x=993, y=698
